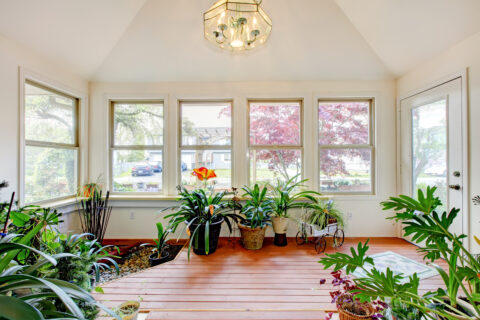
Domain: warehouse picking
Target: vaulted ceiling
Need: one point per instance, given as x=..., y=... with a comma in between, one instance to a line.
x=162, y=40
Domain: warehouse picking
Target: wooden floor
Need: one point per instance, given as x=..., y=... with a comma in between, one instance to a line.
x=234, y=283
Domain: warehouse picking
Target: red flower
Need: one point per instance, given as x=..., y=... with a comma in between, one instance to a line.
x=204, y=173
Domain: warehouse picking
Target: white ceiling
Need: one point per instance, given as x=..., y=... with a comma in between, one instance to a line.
x=405, y=33
x=162, y=40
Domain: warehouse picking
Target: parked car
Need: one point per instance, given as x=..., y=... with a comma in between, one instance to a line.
x=142, y=170
x=156, y=166
x=184, y=166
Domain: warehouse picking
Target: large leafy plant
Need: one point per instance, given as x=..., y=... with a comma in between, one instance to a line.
x=288, y=195
x=257, y=208
x=430, y=231
x=41, y=293
x=200, y=208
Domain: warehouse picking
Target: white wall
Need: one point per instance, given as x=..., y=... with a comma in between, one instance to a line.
x=367, y=217
x=465, y=54
x=12, y=57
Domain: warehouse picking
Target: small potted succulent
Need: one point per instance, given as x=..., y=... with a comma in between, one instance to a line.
x=128, y=310
x=348, y=305
x=256, y=213
x=287, y=195
x=160, y=255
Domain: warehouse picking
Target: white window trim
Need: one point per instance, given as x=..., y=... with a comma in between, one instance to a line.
x=375, y=96
x=111, y=100
x=300, y=146
x=82, y=129
x=230, y=147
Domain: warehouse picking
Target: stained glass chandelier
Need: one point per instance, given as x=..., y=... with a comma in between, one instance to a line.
x=237, y=25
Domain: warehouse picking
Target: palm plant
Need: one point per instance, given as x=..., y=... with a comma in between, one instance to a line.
x=37, y=304
x=287, y=195
x=199, y=211
x=258, y=207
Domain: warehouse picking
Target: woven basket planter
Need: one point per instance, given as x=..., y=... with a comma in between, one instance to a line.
x=346, y=315
x=252, y=239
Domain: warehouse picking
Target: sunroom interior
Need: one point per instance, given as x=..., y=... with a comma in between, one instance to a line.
x=239, y=159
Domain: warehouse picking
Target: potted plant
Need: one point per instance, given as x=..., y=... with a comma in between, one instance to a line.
x=324, y=212
x=287, y=195
x=420, y=221
x=161, y=255
x=203, y=213
x=256, y=211
x=349, y=306
x=128, y=310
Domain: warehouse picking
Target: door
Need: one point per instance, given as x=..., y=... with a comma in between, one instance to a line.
x=432, y=145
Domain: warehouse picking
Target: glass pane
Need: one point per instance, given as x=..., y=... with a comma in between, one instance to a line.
x=218, y=160
x=138, y=124
x=206, y=124
x=275, y=123
x=49, y=173
x=270, y=165
x=137, y=170
x=429, y=148
x=49, y=117
x=344, y=122
x=345, y=170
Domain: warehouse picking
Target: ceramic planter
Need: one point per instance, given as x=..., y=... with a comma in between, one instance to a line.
x=280, y=225
x=129, y=310
x=215, y=229
x=252, y=239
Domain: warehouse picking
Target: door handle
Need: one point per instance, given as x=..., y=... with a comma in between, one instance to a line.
x=455, y=186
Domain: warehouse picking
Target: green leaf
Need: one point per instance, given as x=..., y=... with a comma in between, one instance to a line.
x=99, y=289
x=15, y=309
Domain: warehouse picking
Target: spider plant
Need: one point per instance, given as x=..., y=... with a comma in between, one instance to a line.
x=322, y=210
x=288, y=195
x=257, y=208
x=200, y=211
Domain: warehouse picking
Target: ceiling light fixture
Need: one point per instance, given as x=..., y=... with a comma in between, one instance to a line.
x=237, y=25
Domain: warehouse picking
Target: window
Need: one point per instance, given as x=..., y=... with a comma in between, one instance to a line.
x=346, y=146
x=206, y=141
x=51, y=144
x=275, y=140
x=137, y=146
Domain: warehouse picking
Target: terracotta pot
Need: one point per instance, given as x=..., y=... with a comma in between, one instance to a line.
x=280, y=225
x=133, y=306
x=252, y=239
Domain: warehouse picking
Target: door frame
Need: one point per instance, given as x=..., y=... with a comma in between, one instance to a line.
x=463, y=75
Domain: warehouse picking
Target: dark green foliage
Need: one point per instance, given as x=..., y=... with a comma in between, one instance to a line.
x=287, y=195
x=199, y=208
x=258, y=207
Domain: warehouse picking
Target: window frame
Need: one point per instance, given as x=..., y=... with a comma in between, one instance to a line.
x=300, y=146
x=370, y=146
x=181, y=147
x=113, y=147
x=52, y=145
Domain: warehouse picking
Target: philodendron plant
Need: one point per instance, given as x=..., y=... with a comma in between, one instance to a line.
x=431, y=232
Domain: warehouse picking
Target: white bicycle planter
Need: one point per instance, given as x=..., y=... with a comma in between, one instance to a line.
x=331, y=230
